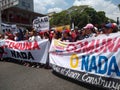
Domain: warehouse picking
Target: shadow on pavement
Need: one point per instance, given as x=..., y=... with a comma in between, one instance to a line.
x=85, y=85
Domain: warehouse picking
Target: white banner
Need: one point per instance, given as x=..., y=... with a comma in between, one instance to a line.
x=7, y=27
x=41, y=23
x=95, y=60
x=36, y=51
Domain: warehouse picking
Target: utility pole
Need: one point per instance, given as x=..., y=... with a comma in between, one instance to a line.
x=71, y=19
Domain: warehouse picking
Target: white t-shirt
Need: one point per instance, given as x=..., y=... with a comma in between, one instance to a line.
x=35, y=38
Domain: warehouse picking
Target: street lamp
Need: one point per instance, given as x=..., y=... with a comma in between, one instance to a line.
x=117, y=20
x=71, y=21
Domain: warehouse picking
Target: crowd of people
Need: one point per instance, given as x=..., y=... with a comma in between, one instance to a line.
x=65, y=35
x=72, y=35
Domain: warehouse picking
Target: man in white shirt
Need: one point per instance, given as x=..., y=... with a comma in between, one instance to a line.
x=34, y=36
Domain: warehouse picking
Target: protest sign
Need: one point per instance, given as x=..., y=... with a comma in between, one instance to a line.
x=7, y=27
x=41, y=23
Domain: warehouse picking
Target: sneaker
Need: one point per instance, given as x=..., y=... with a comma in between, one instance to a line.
x=33, y=66
x=38, y=67
x=27, y=65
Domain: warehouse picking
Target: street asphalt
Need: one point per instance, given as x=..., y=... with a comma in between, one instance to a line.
x=18, y=77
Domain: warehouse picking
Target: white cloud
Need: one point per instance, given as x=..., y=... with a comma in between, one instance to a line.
x=54, y=10
x=111, y=9
x=39, y=6
x=43, y=6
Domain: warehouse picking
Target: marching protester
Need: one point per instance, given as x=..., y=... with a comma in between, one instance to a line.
x=26, y=35
x=66, y=36
x=1, y=48
x=47, y=35
x=9, y=35
x=110, y=28
x=34, y=36
x=1, y=53
x=1, y=36
x=57, y=35
x=74, y=35
x=41, y=34
x=81, y=35
x=89, y=30
x=16, y=36
x=51, y=34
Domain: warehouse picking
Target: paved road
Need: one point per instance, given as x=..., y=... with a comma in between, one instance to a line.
x=18, y=77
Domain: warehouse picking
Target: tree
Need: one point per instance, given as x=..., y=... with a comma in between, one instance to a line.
x=102, y=17
x=80, y=15
x=59, y=19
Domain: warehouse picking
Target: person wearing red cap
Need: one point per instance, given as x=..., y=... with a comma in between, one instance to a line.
x=66, y=36
x=109, y=28
x=57, y=35
x=74, y=35
x=9, y=35
x=41, y=34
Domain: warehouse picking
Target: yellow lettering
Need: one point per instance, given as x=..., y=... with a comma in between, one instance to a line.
x=74, y=58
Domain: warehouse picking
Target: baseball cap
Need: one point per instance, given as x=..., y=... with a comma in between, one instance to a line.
x=109, y=25
x=65, y=31
x=89, y=26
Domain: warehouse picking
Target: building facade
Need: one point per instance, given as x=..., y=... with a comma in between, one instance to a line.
x=22, y=4
x=15, y=15
x=19, y=12
x=26, y=5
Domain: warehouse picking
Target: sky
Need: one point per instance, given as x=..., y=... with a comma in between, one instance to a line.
x=110, y=7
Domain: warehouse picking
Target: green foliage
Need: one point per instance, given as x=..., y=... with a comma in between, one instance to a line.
x=80, y=15
x=59, y=19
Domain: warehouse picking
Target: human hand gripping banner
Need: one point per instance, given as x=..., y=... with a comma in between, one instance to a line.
x=95, y=60
x=36, y=51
